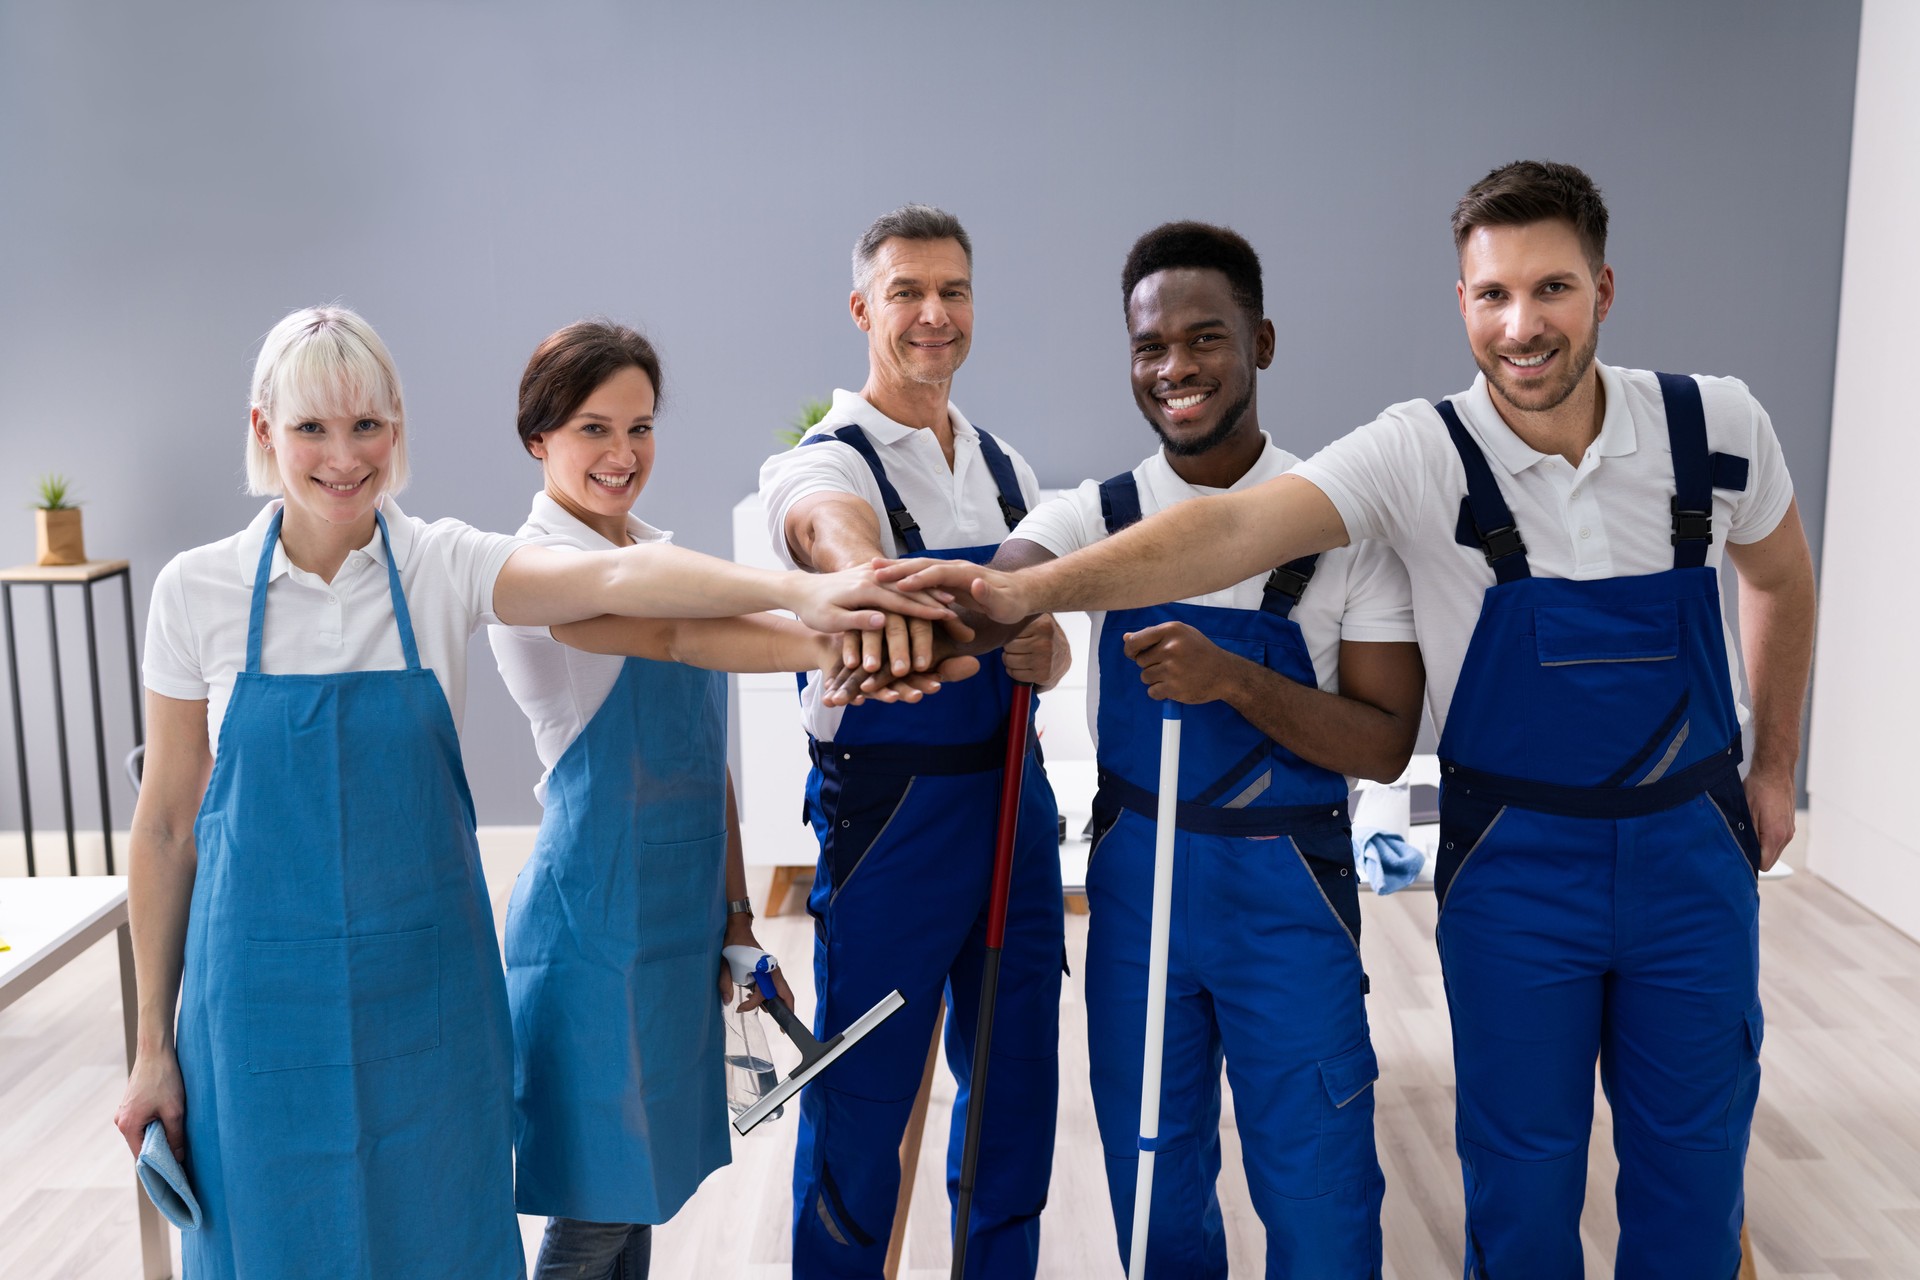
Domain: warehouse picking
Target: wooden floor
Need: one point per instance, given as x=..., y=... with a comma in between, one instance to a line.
x=1833, y=1180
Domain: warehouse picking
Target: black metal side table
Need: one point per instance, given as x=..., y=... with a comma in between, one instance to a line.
x=83, y=576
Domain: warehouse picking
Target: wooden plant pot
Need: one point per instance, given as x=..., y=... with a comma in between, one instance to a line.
x=59, y=539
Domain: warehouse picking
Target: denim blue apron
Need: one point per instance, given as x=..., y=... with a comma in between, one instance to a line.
x=1597, y=892
x=1264, y=961
x=613, y=944
x=343, y=1027
x=904, y=801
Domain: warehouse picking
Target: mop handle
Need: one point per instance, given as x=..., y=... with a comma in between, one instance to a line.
x=1155, y=1046
x=1019, y=721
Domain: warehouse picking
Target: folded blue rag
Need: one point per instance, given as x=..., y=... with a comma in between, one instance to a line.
x=165, y=1180
x=1386, y=860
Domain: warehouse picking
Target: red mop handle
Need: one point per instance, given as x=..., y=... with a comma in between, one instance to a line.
x=1019, y=721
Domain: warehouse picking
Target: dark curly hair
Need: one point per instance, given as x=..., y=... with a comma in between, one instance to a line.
x=1196, y=244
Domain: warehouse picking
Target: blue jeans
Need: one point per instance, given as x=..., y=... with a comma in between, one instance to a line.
x=574, y=1250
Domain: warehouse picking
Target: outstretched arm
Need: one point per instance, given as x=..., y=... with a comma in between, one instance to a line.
x=754, y=642
x=1777, y=609
x=1366, y=730
x=539, y=586
x=1188, y=549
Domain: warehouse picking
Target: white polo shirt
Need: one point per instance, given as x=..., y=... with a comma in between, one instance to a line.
x=1359, y=592
x=1399, y=479
x=197, y=622
x=954, y=507
x=559, y=688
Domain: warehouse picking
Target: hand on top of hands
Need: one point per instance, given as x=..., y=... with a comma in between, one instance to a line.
x=993, y=592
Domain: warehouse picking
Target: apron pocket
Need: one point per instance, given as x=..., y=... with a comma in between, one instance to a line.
x=682, y=888
x=339, y=1002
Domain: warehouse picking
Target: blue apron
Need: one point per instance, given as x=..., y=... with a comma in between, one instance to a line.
x=1597, y=892
x=905, y=801
x=613, y=944
x=343, y=1027
x=1264, y=963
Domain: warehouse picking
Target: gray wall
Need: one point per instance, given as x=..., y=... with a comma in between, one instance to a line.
x=472, y=176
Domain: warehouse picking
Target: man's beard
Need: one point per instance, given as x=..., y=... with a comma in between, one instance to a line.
x=1578, y=363
x=1213, y=439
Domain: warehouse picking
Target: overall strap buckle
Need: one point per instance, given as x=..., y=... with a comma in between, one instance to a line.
x=1500, y=543
x=1010, y=512
x=904, y=525
x=1289, y=582
x=1690, y=526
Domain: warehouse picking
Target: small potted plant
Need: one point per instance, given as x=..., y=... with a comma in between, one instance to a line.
x=57, y=523
x=811, y=412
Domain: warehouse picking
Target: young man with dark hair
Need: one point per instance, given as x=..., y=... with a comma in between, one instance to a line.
x=1563, y=522
x=904, y=799
x=1290, y=680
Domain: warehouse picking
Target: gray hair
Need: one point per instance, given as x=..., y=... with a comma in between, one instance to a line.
x=908, y=222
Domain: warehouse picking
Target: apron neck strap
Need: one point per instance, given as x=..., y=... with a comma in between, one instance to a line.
x=401, y=616
x=257, y=612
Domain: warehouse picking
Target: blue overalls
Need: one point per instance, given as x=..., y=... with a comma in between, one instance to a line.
x=1264, y=961
x=1596, y=880
x=343, y=1030
x=905, y=800
x=613, y=944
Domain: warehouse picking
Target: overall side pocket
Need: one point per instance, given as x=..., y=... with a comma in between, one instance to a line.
x=1465, y=823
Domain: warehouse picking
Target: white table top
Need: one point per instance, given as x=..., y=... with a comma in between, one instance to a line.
x=46, y=920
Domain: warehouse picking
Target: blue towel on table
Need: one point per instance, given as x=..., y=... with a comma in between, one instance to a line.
x=1386, y=860
x=165, y=1180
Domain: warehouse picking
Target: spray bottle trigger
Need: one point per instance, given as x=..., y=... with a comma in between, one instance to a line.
x=763, y=978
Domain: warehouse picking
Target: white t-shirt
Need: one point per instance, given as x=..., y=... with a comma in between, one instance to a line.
x=1357, y=593
x=197, y=623
x=957, y=507
x=1399, y=479
x=559, y=688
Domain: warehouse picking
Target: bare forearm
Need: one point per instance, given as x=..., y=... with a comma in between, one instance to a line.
x=1776, y=629
x=1189, y=549
x=1342, y=734
x=160, y=874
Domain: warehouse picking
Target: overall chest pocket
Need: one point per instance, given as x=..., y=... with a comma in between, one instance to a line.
x=1608, y=704
x=339, y=1002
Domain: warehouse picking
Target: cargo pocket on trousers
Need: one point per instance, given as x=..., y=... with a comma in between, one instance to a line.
x=339, y=1002
x=1346, y=1122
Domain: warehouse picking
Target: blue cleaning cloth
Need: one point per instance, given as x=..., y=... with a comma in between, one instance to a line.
x=165, y=1180
x=1387, y=860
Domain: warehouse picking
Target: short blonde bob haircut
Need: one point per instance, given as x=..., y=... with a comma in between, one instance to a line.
x=324, y=362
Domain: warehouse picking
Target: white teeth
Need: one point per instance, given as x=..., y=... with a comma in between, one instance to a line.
x=612, y=482
x=1529, y=362
x=342, y=488
x=1187, y=402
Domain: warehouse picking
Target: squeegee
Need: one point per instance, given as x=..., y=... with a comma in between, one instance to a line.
x=753, y=967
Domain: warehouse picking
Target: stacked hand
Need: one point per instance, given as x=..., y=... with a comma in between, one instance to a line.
x=993, y=593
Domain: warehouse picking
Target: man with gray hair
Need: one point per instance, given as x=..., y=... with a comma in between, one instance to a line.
x=904, y=798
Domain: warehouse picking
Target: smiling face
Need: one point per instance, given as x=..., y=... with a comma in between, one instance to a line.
x=598, y=460
x=1533, y=305
x=1195, y=354
x=332, y=469
x=918, y=312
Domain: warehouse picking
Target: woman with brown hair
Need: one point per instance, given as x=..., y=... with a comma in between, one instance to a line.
x=614, y=932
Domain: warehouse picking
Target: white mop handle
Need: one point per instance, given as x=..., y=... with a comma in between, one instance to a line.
x=1155, y=1047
